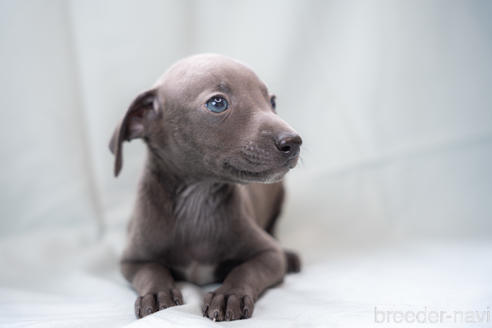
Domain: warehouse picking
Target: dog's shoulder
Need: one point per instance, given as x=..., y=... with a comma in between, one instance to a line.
x=267, y=200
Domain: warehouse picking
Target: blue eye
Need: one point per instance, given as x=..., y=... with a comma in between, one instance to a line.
x=217, y=104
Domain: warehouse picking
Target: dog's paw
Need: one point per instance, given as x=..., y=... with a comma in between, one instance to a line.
x=153, y=302
x=227, y=305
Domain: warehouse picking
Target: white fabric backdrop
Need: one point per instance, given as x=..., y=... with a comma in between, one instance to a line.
x=392, y=100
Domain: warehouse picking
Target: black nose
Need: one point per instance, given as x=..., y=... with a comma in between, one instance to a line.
x=289, y=144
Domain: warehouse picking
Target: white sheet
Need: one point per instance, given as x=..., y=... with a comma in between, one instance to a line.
x=70, y=280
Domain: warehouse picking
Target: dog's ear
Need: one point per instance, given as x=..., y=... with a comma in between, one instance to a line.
x=135, y=124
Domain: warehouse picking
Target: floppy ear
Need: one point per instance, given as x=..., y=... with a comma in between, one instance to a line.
x=135, y=124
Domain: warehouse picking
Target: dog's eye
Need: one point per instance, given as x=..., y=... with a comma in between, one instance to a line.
x=273, y=102
x=217, y=104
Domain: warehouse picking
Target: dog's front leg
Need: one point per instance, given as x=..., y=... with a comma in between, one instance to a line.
x=242, y=286
x=154, y=285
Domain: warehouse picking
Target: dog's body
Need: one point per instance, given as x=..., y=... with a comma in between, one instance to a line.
x=212, y=134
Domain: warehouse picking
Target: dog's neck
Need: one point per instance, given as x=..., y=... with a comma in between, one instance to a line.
x=193, y=204
x=179, y=185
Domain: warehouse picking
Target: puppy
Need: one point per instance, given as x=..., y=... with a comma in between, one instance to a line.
x=211, y=189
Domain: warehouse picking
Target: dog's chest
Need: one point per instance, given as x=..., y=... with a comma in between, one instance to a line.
x=202, y=232
x=198, y=273
x=201, y=216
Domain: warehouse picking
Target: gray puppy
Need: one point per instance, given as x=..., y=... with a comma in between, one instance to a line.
x=211, y=192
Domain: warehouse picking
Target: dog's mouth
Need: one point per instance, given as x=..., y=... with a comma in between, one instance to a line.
x=269, y=175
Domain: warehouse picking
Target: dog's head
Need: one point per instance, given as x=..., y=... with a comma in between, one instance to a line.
x=210, y=116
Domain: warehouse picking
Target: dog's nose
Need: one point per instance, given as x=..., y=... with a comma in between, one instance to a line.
x=289, y=144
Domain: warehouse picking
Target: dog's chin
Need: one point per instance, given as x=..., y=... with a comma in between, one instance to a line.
x=243, y=175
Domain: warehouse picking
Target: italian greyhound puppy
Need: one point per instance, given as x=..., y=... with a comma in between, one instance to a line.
x=211, y=190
